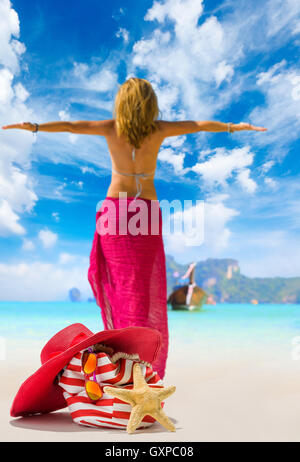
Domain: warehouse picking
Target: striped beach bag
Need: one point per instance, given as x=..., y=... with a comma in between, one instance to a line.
x=113, y=371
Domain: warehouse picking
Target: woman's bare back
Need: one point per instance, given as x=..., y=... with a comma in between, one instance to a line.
x=145, y=162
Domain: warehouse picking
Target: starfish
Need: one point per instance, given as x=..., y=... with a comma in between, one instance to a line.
x=144, y=400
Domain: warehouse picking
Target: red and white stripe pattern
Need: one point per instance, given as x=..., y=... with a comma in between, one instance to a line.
x=108, y=411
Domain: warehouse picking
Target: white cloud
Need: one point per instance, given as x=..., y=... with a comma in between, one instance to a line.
x=78, y=184
x=282, y=18
x=184, y=13
x=281, y=111
x=223, y=72
x=270, y=182
x=9, y=220
x=93, y=78
x=20, y=92
x=184, y=227
x=267, y=253
x=90, y=170
x=267, y=166
x=205, y=52
x=16, y=187
x=279, y=206
x=261, y=26
x=199, y=57
x=167, y=95
x=28, y=244
x=221, y=166
x=55, y=216
x=73, y=138
x=117, y=16
x=6, y=91
x=177, y=160
x=122, y=32
x=48, y=238
x=11, y=48
x=174, y=141
x=66, y=258
x=42, y=281
x=216, y=232
x=217, y=217
x=64, y=115
x=247, y=183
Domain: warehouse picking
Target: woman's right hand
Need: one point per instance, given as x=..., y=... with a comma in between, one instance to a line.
x=23, y=126
x=246, y=126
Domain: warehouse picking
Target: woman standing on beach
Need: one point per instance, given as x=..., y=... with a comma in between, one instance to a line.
x=127, y=271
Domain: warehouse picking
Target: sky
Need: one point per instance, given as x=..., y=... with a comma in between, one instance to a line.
x=206, y=60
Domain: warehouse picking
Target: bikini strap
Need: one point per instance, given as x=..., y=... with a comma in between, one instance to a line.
x=137, y=179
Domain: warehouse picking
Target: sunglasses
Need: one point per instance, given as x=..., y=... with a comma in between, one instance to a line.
x=89, y=365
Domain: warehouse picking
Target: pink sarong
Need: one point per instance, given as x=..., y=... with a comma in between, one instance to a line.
x=127, y=271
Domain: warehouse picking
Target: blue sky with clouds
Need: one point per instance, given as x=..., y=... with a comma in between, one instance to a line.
x=207, y=60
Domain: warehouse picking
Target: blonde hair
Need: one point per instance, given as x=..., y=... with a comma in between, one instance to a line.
x=135, y=110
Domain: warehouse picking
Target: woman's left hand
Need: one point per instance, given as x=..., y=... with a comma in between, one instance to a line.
x=247, y=126
x=23, y=126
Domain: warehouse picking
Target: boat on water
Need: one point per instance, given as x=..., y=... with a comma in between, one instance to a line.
x=188, y=297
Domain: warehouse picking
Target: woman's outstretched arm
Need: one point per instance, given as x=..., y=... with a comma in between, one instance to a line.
x=214, y=126
x=85, y=127
x=190, y=126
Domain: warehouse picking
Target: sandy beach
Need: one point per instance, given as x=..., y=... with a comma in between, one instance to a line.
x=220, y=396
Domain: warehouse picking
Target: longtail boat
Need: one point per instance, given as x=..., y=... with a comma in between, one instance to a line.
x=188, y=297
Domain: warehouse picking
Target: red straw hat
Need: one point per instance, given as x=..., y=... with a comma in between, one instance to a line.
x=40, y=393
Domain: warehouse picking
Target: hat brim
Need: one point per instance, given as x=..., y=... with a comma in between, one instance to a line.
x=39, y=394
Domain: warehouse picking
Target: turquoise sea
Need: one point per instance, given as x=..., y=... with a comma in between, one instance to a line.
x=225, y=327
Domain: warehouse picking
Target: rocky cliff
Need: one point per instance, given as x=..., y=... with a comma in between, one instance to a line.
x=223, y=280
